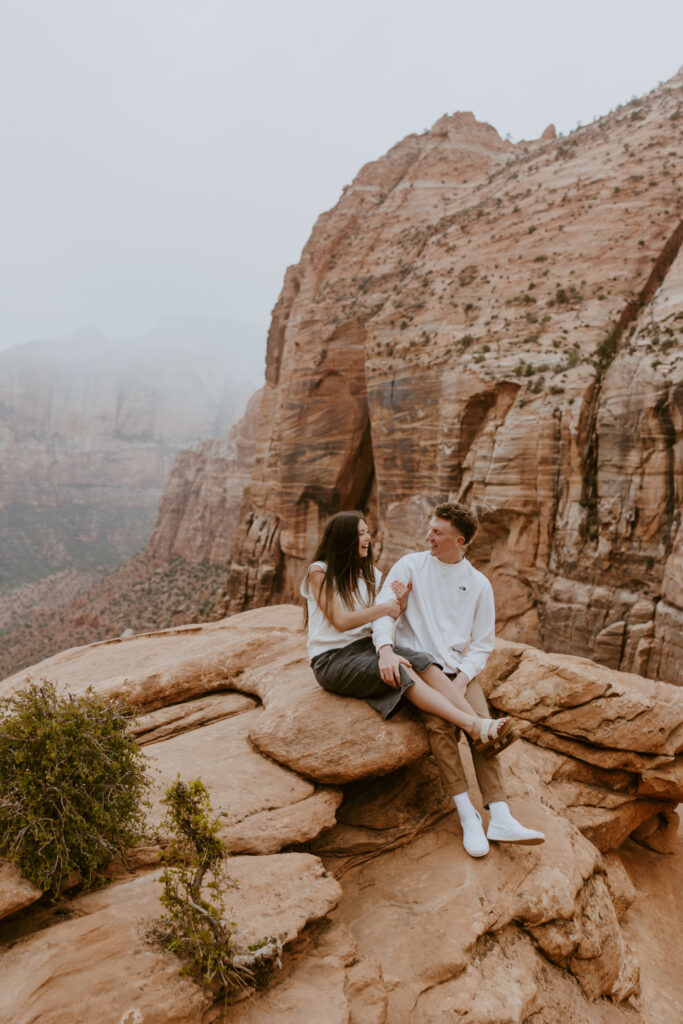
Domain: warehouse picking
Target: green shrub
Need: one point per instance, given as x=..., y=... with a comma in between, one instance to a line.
x=467, y=275
x=607, y=350
x=194, y=925
x=72, y=785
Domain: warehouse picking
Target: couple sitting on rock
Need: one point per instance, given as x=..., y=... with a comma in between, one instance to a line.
x=439, y=603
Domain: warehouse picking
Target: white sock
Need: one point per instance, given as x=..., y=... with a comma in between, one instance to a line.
x=500, y=812
x=464, y=806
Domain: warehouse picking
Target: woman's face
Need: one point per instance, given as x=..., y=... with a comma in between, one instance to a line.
x=363, y=538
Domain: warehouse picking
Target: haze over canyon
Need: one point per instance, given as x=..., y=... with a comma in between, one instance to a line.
x=89, y=429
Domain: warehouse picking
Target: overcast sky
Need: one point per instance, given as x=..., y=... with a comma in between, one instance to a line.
x=171, y=156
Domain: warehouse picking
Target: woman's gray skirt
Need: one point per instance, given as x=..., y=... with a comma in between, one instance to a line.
x=353, y=671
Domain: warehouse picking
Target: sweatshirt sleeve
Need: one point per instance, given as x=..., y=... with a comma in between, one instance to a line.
x=383, y=629
x=483, y=634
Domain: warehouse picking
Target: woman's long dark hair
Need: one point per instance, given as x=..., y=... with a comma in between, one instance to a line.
x=338, y=548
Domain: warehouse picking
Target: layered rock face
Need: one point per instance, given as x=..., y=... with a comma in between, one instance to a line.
x=89, y=430
x=179, y=577
x=502, y=325
x=384, y=917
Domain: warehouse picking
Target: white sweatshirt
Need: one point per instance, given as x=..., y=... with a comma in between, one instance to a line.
x=450, y=612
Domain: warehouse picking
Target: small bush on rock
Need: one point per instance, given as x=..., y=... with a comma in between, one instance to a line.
x=194, y=925
x=72, y=786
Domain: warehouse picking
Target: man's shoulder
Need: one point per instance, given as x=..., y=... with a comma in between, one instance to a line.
x=482, y=580
x=413, y=559
x=419, y=556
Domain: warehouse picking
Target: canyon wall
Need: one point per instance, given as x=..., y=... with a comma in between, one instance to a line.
x=200, y=506
x=500, y=324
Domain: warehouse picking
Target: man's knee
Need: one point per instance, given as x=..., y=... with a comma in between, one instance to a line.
x=460, y=685
x=475, y=696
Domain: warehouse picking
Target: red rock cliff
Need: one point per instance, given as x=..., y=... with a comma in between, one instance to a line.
x=199, y=509
x=500, y=324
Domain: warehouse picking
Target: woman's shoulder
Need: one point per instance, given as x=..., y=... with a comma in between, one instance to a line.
x=315, y=568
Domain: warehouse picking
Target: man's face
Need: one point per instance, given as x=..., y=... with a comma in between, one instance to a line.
x=444, y=540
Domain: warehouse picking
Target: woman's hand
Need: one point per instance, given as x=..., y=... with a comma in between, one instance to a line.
x=392, y=608
x=402, y=592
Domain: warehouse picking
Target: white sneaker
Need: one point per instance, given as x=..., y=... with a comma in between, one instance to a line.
x=512, y=832
x=473, y=838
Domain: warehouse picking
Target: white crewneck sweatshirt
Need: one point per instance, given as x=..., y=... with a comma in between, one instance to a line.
x=450, y=612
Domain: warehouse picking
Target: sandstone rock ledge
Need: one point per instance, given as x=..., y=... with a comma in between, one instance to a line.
x=421, y=933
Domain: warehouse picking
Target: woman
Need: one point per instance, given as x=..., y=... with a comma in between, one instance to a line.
x=340, y=588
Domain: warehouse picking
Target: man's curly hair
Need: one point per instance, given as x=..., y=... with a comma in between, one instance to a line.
x=462, y=518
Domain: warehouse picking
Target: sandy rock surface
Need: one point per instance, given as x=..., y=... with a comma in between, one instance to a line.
x=154, y=670
x=652, y=926
x=16, y=892
x=302, y=727
x=176, y=718
x=421, y=928
x=99, y=965
x=575, y=697
x=403, y=905
x=607, y=744
x=240, y=781
x=261, y=653
x=270, y=831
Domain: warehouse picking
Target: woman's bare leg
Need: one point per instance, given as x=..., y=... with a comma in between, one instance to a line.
x=435, y=678
x=429, y=699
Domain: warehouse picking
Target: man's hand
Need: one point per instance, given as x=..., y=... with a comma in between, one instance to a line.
x=402, y=592
x=389, y=666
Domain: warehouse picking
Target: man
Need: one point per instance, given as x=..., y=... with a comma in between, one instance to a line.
x=450, y=614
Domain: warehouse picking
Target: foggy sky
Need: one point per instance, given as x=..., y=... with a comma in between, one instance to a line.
x=169, y=156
